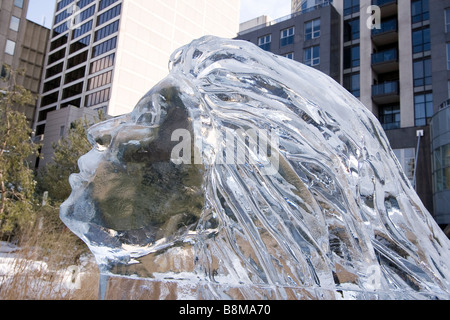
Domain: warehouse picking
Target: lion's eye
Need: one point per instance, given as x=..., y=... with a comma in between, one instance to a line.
x=103, y=142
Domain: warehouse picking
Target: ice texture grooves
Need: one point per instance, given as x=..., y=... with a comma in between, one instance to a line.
x=328, y=213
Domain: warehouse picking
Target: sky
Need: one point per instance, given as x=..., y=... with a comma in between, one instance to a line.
x=43, y=9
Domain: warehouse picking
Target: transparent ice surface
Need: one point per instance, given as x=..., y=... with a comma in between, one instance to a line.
x=286, y=189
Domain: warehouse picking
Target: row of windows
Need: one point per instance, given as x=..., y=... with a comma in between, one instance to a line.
x=75, y=75
x=97, y=97
x=79, y=31
x=106, y=3
x=100, y=80
x=83, y=3
x=102, y=63
x=420, y=11
x=86, y=27
x=63, y=4
x=108, y=15
x=423, y=110
x=311, y=31
x=80, y=44
x=74, y=10
x=442, y=168
x=106, y=31
x=104, y=47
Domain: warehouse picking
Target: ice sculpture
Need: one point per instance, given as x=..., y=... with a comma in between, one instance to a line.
x=247, y=175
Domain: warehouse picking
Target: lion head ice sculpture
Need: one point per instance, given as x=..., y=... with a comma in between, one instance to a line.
x=247, y=175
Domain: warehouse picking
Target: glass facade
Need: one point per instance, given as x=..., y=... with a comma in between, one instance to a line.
x=109, y=14
x=312, y=56
x=264, y=42
x=104, y=47
x=106, y=31
x=351, y=6
x=442, y=168
x=420, y=11
x=390, y=117
x=423, y=107
x=421, y=40
x=312, y=29
x=85, y=44
x=351, y=30
x=422, y=72
x=352, y=83
x=351, y=57
x=287, y=36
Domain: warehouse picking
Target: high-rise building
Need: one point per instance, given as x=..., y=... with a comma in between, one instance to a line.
x=106, y=54
x=395, y=57
x=22, y=47
x=307, y=5
x=311, y=37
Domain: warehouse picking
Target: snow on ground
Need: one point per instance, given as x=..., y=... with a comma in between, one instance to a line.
x=36, y=275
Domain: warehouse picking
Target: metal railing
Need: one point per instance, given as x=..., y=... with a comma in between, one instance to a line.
x=385, y=88
x=385, y=56
x=386, y=26
x=289, y=16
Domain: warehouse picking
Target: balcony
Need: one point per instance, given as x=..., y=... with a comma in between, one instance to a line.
x=386, y=92
x=388, y=33
x=385, y=61
x=388, y=7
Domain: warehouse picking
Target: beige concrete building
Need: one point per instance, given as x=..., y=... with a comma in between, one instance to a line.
x=23, y=45
x=106, y=54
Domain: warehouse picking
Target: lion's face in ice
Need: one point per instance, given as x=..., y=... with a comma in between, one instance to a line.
x=269, y=171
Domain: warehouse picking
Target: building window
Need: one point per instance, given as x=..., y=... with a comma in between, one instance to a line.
x=312, y=29
x=422, y=73
x=86, y=27
x=75, y=75
x=352, y=83
x=5, y=73
x=287, y=36
x=104, y=47
x=351, y=57
x=18, y=3
x=83, y=3
x=423, y=107
x=406, y=157
x=390, y=117
x=421, y=40
x=351, y=30
x=14, y=23
x=97, y=97
x=100, y=80
x=80, y=44
x=106, y=3
x=312, y=56
x=442, y=168
x=52, y=71
x=52, y=84
x=448, y=56
x=74, y=90
x=78, y=59
x=108, y=15
x=289, y=55
x=420, y=11
x=447, y=20
x=106, y=31
x=102, y=64
x=10, y=47
x=351, y=6
x=264, y=42
x=59, y=42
